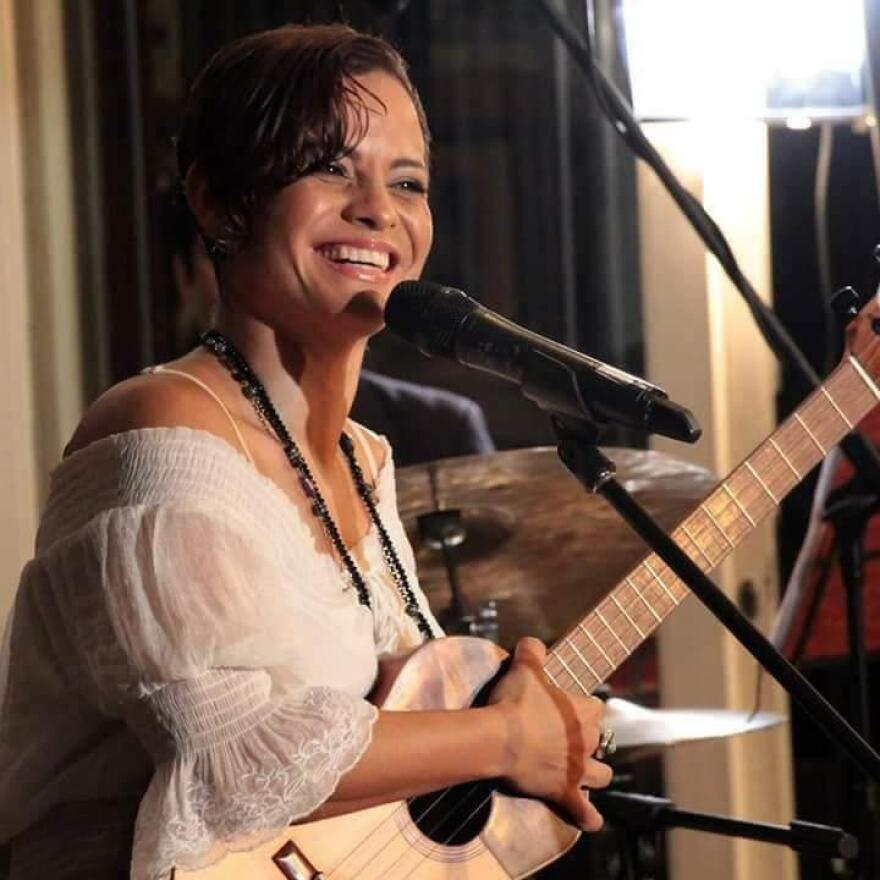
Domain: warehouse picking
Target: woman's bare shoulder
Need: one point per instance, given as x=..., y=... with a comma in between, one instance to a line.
x=151, y=400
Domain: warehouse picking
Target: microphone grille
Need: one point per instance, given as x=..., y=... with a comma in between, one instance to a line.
x=428, y=315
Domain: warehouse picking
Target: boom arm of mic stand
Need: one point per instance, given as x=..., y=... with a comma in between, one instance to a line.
x=596, y=473
x=646, y=813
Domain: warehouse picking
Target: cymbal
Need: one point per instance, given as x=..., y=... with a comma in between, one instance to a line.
x=637, y=727
x=537, y=543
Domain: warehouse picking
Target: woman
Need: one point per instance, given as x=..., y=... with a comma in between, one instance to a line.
x=216, y=572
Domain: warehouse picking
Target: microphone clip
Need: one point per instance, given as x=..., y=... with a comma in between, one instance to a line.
x=602, y=399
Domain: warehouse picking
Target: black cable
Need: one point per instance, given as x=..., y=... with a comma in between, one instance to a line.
x=823, y=241
x=616, y=108
x=858, y=450
x=819, y=588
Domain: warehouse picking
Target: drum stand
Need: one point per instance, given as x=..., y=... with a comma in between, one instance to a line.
x=444, y=530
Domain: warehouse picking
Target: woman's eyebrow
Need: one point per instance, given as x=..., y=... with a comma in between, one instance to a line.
x=402, y=162
x=408, y=163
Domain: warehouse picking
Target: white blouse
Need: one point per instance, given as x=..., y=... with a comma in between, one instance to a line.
x=183, y=656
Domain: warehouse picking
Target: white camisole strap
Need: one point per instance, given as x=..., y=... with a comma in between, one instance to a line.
x=184, y=375
x=366, y=446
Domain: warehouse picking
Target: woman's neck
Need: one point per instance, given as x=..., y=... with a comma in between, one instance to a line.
x=312, y=388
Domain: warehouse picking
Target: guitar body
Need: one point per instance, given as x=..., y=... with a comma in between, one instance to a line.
x=484, y=834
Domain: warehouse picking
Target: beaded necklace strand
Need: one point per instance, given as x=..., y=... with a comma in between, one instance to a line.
x=253, y=389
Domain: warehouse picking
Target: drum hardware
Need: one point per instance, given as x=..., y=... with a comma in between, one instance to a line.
x=639, y=730
x=444, y=530
x=530, y=534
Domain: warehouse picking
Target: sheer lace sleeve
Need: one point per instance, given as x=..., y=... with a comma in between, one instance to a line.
x=238, y=661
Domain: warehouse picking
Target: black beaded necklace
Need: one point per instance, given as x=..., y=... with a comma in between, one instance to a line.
x=255, y=392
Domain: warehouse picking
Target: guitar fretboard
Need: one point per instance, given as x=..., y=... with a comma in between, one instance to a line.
x=584, y=657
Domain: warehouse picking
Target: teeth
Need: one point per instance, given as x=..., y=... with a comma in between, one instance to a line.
x=343, y=253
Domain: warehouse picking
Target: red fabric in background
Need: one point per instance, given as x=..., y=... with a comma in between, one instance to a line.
x=828, y=635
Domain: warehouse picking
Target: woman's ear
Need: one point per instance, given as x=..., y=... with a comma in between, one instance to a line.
x=201, y=202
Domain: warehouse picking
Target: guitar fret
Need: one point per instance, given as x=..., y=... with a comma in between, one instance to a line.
x=577, y=681
x=573, y=645
x=837, y=409
x=750, y=493
x=717, y=525
x=660, y=581
x=784, y=457
x=852, y=394
x=613, y=632
x=645, y=602
x=736, y=501
x=589, y=635
x=872, y=387
x=762, y=484
x=624, y=612
x=696, y=544
x=811, y=435
x=713, y=529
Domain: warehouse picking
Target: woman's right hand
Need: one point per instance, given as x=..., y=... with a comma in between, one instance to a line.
x=552, y=736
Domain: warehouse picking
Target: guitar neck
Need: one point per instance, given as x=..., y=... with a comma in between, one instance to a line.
x=585, y=656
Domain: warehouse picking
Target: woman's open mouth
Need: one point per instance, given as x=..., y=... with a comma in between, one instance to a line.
x=361, y=261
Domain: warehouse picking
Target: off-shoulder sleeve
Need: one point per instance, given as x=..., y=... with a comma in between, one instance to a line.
x=192, y=626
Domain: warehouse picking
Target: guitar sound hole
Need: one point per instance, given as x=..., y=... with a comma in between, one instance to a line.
x=454, y=816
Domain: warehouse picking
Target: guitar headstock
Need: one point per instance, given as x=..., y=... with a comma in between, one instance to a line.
x=863, y=333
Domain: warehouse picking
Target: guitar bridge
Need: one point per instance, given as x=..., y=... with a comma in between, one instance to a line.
x=294, y=865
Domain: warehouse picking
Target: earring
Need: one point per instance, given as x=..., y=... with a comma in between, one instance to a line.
x=216, y=248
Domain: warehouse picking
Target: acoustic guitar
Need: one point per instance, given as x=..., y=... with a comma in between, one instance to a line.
x=481, y=831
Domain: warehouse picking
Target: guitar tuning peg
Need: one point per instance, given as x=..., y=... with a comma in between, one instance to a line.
x=846, y=302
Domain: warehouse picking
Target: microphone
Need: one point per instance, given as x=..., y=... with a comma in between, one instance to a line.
x=445, y=322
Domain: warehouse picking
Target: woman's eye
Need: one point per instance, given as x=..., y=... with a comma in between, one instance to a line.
x=412, y=186
x=334, y=169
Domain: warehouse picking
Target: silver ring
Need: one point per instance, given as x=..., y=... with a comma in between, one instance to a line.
x=607, y=746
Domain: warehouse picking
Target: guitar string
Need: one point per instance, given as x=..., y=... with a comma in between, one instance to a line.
x=427, y=855
x=475, y=787
x=371, y=833
x=732, y=546
x=386, y=871
x=466, y=794
x=703, y=506
x=709, y=527
x=633, y=603
x=705, y=529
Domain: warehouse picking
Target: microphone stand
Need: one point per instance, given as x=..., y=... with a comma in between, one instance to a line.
x=578, y=451
x=862, y=454
x=639, y=814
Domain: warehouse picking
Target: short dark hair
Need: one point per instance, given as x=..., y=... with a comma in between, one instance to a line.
x=273, y=106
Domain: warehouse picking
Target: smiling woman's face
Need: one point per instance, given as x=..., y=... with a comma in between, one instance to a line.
x=327, y=250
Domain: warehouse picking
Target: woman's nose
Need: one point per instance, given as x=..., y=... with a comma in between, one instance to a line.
x=371, y=206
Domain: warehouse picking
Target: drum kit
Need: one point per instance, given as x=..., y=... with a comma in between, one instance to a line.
x=509, y=545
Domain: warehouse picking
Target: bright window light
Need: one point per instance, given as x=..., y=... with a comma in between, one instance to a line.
x=751, y=58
